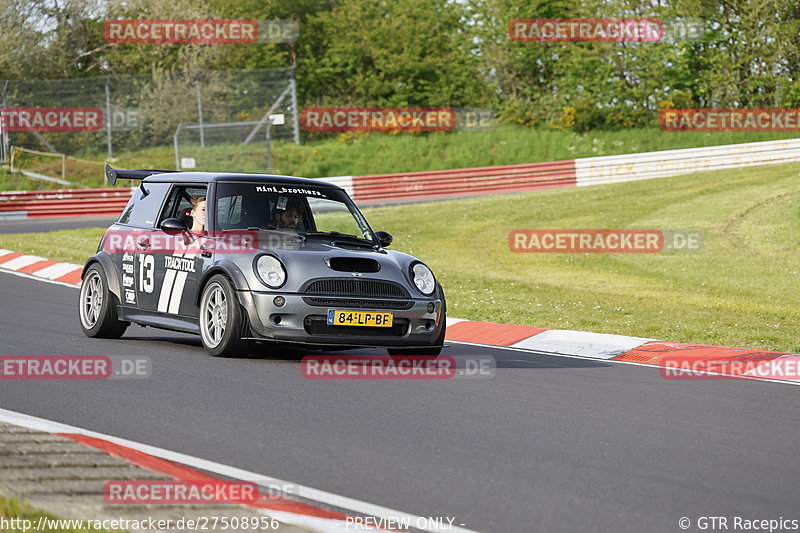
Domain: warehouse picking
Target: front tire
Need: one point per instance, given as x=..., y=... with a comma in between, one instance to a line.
x=223, y=323
x=98, y=307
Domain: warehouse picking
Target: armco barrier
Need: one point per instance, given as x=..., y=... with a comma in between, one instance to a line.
x=464, y=182
x=648, y=165
x=453, y=183
x=63, y=203
x=64, y=194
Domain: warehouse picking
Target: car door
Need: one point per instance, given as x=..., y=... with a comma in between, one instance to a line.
x=131, y=243
x=182, y=258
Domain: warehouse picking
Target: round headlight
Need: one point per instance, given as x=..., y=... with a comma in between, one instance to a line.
x=423, y=279
x=271, y=271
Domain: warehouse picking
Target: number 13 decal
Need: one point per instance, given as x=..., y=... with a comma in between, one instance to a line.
x=147, y=266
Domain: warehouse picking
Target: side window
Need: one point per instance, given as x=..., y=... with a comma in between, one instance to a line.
x=179, y=204
x=143, y=212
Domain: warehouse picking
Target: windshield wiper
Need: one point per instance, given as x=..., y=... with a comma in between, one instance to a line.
x=335, y=235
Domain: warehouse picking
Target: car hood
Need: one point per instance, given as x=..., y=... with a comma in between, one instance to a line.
x=320, y=258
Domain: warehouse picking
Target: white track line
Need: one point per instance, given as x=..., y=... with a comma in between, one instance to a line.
x=327, y=498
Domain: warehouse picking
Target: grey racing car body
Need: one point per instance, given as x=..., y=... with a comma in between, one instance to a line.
x=244, y=279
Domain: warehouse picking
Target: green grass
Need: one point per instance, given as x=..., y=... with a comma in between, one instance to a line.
x=13, y=509
x=740, y=290
x=70, y=246
x=361, y=154
x=377, y=153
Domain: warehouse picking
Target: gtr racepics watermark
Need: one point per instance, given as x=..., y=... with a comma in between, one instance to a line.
x=604, y=241
x=205, y=31
x=74, y=367
x=714, y=120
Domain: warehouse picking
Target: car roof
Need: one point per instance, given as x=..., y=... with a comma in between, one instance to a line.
x=207, y=177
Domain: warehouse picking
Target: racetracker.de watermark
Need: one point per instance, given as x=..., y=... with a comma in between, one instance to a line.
x=204, y=31
x=74, y=367
x=396, y=119
x=767, y=367
x=607, y=30
x=51, y=118
x=726, y=120
x=397, y=367
x=180, y=492
x=125, y=241
x=607, y=241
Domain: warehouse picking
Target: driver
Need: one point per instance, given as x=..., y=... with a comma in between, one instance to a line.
x=288, y=216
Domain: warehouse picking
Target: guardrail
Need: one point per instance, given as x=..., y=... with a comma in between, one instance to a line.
x=384, y=188
x=648, y=165
x=463, y=182
x=63, y=203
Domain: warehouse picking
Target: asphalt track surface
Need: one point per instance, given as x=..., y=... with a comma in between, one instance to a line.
x=36, y=225
x=548, y=444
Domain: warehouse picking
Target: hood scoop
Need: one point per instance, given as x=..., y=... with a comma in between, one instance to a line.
x=353, y=264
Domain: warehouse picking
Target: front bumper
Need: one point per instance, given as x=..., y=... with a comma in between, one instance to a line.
x=301, y=322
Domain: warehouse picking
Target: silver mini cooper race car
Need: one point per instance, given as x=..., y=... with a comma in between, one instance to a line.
x=237, y=258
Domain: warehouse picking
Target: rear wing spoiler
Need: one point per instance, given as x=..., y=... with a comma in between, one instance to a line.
x=113, y=175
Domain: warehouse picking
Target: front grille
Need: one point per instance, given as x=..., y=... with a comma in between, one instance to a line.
x=370, y=288
x=318, y=325
x=358, y=304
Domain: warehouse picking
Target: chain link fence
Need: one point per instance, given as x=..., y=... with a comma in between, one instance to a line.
x=105, y=115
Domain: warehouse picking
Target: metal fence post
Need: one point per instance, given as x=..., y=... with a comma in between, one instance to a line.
x=108, y=119
x=177, y=150
x=269, y=147
x=295, y=111
x=200, y=113
x=4, y=148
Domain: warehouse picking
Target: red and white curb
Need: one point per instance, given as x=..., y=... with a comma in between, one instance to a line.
x=187, y=468
x=716, y=360
x=39, y=267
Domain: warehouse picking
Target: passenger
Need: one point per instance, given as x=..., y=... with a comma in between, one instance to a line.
x=198, y=214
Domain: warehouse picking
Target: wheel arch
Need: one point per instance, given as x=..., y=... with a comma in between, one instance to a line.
x=107, y=265
x=228, y=269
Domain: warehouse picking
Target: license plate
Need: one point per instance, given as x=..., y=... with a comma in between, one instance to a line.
x=359, y=318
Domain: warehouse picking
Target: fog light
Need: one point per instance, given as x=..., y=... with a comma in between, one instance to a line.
x=431, y=307
x=279, y=301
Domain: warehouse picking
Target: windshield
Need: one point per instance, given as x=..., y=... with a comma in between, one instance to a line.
x=303, y=210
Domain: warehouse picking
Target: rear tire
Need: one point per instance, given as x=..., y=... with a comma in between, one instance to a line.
x=98, y=307
x=223, y=322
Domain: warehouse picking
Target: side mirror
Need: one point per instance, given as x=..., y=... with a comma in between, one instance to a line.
x=384, y=239
x=173, y=226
